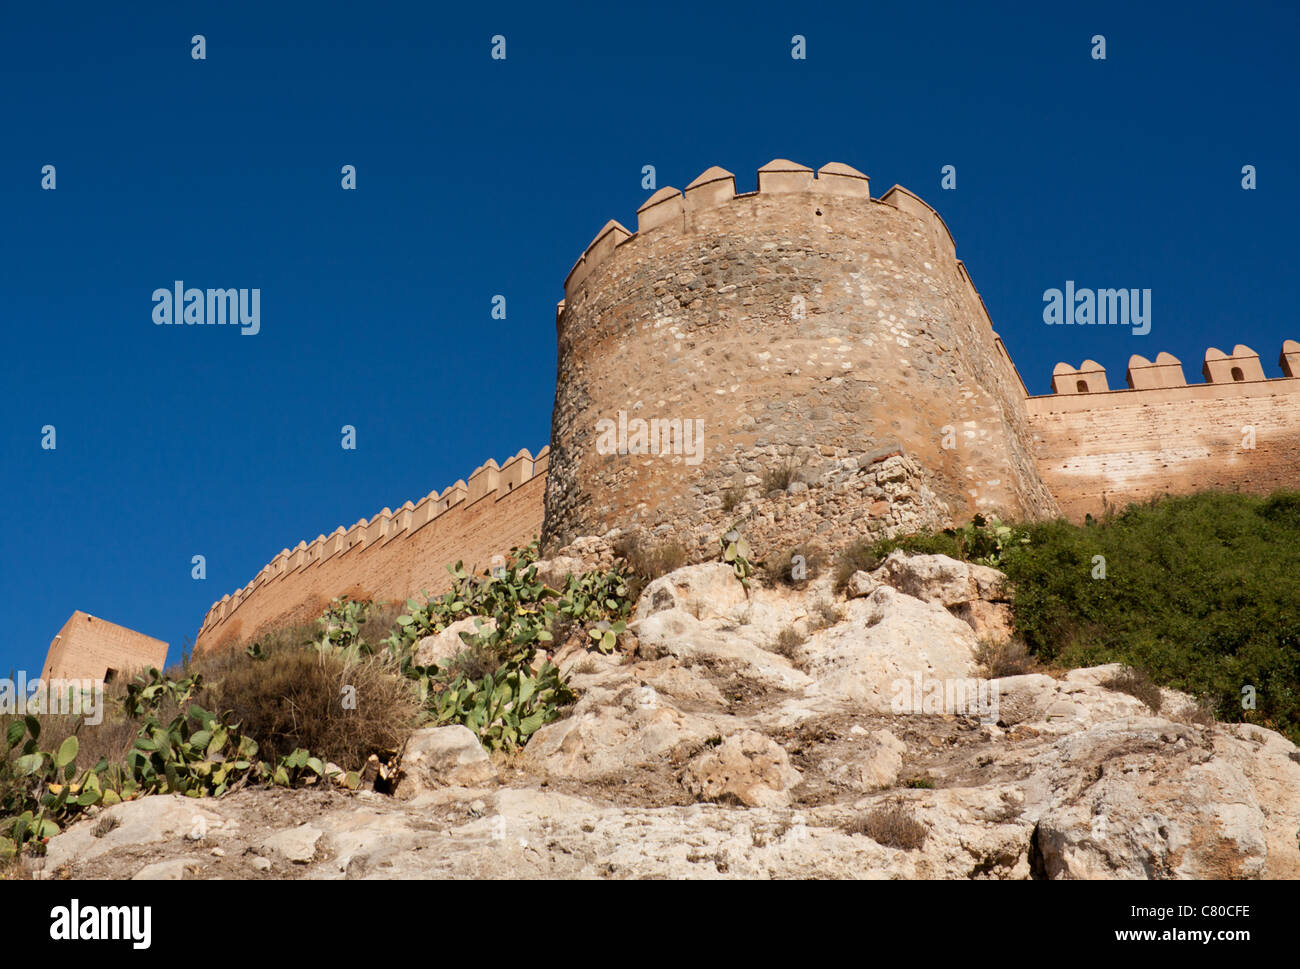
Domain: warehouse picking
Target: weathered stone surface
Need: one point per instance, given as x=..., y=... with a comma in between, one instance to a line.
x=937, y=578
x=874, y=765
x=1067, y=779
x=989, y=620
x=174, y=870
x=885, y=639
x=440, y=756
x=746, y=766
x=148, y=820
x=296, y=845
x=441, y=647
x=704, y=591
x=861, y=584
x=1161, y=806
x=675, y=633
x=614, y=726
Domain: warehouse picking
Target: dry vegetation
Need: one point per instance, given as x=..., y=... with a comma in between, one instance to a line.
x=998, y=658
x=1136, y=683
x=893, y=826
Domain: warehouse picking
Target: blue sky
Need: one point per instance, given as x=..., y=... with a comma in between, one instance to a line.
x=478, y=177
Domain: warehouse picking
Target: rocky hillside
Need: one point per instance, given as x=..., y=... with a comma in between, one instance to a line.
x=774, y=732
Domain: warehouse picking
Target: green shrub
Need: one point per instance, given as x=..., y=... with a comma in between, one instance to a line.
x=1200, y=594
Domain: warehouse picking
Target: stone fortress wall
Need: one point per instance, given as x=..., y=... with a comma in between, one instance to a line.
x=1237, y=431
x=805, y=322
x=811, y=326
x=392, y=556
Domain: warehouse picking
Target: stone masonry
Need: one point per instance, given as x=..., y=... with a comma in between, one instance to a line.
x=808, y=329
x=811, y=365
x=90, y=648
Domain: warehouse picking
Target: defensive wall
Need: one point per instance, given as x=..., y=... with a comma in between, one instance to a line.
x=804, y=324
x=811, y=329
x=393, y=555
x=1237, y=431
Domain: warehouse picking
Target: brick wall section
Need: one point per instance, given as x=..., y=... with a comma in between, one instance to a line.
x=1129, y=445
x=697, y=316
x=88, y=647
x=391, y=557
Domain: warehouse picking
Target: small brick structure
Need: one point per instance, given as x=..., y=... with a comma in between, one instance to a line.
x=90, y=648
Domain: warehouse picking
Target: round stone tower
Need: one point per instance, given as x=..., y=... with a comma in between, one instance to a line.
x=805, y=362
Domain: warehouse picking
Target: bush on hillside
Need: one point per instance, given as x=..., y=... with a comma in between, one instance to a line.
x=1201, y=593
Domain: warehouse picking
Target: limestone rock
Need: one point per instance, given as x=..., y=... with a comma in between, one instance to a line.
x=989, y=620
x=173, y=870
x=441, y=647
x=874, y=766
x=296, y=845
x=937, y=578
x=706, y=590
x=146, y=820
x=861, y=584
x=747, y=766
x=612, y=728
x=444, y=756
x=1159, y=808
x=871, y=657
x=675, y=632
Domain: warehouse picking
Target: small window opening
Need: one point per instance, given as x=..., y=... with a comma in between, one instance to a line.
x=1237, y=375
x=1082, y=387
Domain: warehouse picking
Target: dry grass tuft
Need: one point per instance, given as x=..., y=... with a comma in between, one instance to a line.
x=893, y=826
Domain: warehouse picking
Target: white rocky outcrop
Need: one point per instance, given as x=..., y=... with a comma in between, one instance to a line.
x=749, y=734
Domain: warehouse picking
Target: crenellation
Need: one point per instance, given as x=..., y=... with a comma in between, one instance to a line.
x=1142, y=374
x=483, y=481
x=665, y=207
x=378, y=527
x=804, y=323
x=711, y=188
x=783, y=175
x=1289, y=360
x=907, y=201
x=1241, y=365
x=515, y=472
x=392, y=553
x=1088, y=378
x=837, y=178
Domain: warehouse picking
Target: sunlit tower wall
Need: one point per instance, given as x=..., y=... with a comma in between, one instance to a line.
x=814, y=333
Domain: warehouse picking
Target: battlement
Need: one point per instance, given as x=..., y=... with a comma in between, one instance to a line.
x=1241, y=367
x=1237, y=431
x=804, y=318
x=394, y=553
x=805, y=322
x=715, y=188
